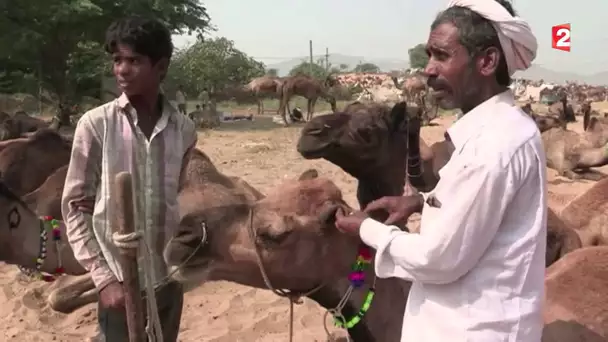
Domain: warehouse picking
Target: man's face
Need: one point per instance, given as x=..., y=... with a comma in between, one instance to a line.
x=135, y=73
x=451, y=73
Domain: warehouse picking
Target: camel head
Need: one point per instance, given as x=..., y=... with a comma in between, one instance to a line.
x=20, y=233
x=330, y=81
x=291, y=230
x=9, y=129
x=367, y=141
x=332, y=102
x=527, y=108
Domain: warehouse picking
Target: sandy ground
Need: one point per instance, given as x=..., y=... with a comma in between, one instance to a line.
x=262, y=154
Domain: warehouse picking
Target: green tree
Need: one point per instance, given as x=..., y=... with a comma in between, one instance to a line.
x=367, y=67
x=273, y=72
x=343, y=67
x=318, y=71
x=418, y=56
x=214, y=64
x=48, y=39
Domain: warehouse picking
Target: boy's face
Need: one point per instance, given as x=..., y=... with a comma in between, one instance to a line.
x=136, y=74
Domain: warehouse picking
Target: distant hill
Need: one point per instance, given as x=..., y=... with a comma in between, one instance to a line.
x=536, y=72
x=384, y=64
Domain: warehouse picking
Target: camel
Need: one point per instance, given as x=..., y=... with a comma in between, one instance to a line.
x=572, y=154
x=8, y=128
x=28, y=123
x=265, y=86
x=309, y=88
x=576, y=304
x=562, y=109
x=287, y=241
x=415, y=89
x=362, y=146
x=77, y=289
x=289, y=230
x=544, y=122
x=592, y=226
x=46, y=199
x=352, y=139
x=26, y=163
x=22, y=238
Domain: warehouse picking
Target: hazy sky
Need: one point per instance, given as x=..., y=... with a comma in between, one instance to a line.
x=275, y=30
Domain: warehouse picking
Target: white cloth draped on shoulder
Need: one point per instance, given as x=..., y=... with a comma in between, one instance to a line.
x=516, y=38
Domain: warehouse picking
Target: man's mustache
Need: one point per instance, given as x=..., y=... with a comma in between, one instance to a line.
x=436, y=84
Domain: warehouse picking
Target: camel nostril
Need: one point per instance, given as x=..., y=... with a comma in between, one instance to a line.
x=317, y=130
x=273, y=238
x=328, y=216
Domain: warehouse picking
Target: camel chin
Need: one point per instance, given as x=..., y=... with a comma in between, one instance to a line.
x=191, y=277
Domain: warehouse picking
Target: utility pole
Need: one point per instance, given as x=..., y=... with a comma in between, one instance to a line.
x=326, y=60
x=310, y=53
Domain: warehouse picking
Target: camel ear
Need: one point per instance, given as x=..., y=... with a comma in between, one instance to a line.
x=398, y=115
x=309, y=174
x=328, y=215
x=402, y=116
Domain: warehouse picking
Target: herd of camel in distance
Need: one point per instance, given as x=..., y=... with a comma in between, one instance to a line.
x=291, y=228
x=285, y=88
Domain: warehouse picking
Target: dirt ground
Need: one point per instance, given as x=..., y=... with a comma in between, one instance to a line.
x=263, y=154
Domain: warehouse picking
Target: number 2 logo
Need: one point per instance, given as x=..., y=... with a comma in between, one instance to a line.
x=560, y=37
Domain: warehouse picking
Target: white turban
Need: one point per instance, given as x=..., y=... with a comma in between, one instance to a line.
x=518, y=43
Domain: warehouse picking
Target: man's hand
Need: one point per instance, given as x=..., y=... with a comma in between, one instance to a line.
x=350, y=223
x=399, y=208
x=85, y=206
x=112, y=296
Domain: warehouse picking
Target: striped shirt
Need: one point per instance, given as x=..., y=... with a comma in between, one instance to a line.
x=108, y=141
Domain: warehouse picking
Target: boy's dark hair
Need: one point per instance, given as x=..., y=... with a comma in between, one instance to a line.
x=477, y=33
x=148, y=37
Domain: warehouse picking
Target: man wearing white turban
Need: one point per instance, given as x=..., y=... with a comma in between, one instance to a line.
x=478, y=264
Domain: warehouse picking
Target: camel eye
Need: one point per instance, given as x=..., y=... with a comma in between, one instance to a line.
x=365, y=135
x=268, y=237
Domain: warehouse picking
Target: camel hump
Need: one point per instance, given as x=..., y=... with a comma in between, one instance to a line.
x=47, y=136
x=309, y=174
x=6, y=192
x=199, y=154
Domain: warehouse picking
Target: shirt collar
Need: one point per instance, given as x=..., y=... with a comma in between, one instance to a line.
x=169, y=112
x=474, y=120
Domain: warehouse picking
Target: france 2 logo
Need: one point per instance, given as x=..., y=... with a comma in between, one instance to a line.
x=560, y=37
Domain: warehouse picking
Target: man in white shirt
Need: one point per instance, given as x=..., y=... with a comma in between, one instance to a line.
x=478, y=264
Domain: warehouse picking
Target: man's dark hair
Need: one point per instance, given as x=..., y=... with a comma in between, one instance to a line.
x=147, y=37
x=476, y=34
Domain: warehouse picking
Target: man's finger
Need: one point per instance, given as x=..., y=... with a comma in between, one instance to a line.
x=85, y=210
x=377, y=205
x=339, y=213
x=340, y=228
x=393, y=218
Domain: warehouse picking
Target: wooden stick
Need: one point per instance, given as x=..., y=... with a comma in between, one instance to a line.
x=134, y=305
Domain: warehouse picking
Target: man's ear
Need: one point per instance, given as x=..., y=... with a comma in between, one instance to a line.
x=162, y=66
x=487, y=62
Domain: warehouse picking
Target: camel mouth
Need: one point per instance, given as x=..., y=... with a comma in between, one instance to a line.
x=191, y=274
x=311, y=148
x=328, y=215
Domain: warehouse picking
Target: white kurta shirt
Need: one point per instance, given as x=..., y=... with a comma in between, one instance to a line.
x=478, y=264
